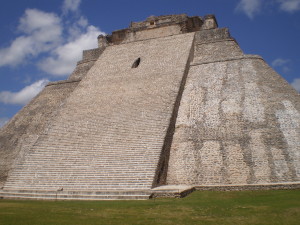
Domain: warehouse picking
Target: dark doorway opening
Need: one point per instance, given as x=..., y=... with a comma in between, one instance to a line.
x=136, y=63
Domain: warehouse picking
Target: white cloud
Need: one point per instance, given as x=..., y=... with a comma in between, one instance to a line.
x=34, y=20
x=296, y=84
x=77, y=28
x=80, y=36
x=3, y=121
x=64, y=58
x=249, y=7
x=18, y=50
x=71, y=5
x=289, y=5
x=82, y=21
x=41, y=32
x=23, y=96
x=58, y=40
x=284, y=64
x=280, y=62
x=254, y=7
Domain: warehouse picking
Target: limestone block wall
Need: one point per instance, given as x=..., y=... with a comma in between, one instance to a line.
x=161, y=107
x=89, y=57
x=160, y=20
x=215, y=45
x=154, y=33
x=92, y=54
x=111, y=130
x=18, y=136
x=238, y=121
x=158, y=26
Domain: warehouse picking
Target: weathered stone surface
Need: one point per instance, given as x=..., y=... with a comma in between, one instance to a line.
x=89, y=57
x=238, y=120
x=19, y=135
x=170, y=100
x=110, y=131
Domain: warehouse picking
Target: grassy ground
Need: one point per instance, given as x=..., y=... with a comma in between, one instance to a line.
x=201, y=207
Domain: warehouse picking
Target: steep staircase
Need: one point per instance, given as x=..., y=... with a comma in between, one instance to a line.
x=108, y=136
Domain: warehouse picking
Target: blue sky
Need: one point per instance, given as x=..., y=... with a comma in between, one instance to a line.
x=41, y=40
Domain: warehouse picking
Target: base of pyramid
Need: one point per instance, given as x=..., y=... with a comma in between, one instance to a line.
x=76, y=195
x=166, y=191
x=249, y=187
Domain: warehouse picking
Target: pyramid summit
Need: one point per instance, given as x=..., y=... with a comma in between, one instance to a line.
x=169, y=103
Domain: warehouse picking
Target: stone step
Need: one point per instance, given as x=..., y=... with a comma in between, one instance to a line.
x=124, y=166
x=85, y=170
x=83, y=175
x=75, y=182
x=88, y=175
x=116, y=182
x=102, y=134
x=168, y=191
x=78, y=186
x=103, y=162
x=129, y=157
x=91, y=143
x=76, y=195
x=63, y=183
x=95, y=170
x=98, y=153
x=103, y=180
x=84, y=188
x=97, y=180
x=116, y=159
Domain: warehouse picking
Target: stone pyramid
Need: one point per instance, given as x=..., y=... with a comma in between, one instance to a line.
x=171, y=101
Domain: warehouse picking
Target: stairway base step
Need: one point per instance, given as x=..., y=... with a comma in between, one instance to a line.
x=168, y=191
x=75, y=195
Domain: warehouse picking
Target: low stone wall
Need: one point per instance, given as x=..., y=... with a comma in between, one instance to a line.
x=172, y=194
x=250, y=187
x=89, y=57
x=92, y=54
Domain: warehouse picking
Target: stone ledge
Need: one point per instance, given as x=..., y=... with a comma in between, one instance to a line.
x=171, y=191
x=212, y=35
x=147, y=39
x=229, y=59
x=166, y=191
x=214, y=41
x=75, y=194
x=62, y=82
x=249, y=187
x=86, y=61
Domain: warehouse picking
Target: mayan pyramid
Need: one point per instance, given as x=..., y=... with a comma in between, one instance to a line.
x=170, y=101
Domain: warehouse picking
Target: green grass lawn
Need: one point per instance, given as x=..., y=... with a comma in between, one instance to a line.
x=201, y=207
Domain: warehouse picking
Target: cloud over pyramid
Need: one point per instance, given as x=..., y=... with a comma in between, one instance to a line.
x=168, y=102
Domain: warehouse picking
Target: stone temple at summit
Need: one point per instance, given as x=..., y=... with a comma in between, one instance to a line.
x=169, y=103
